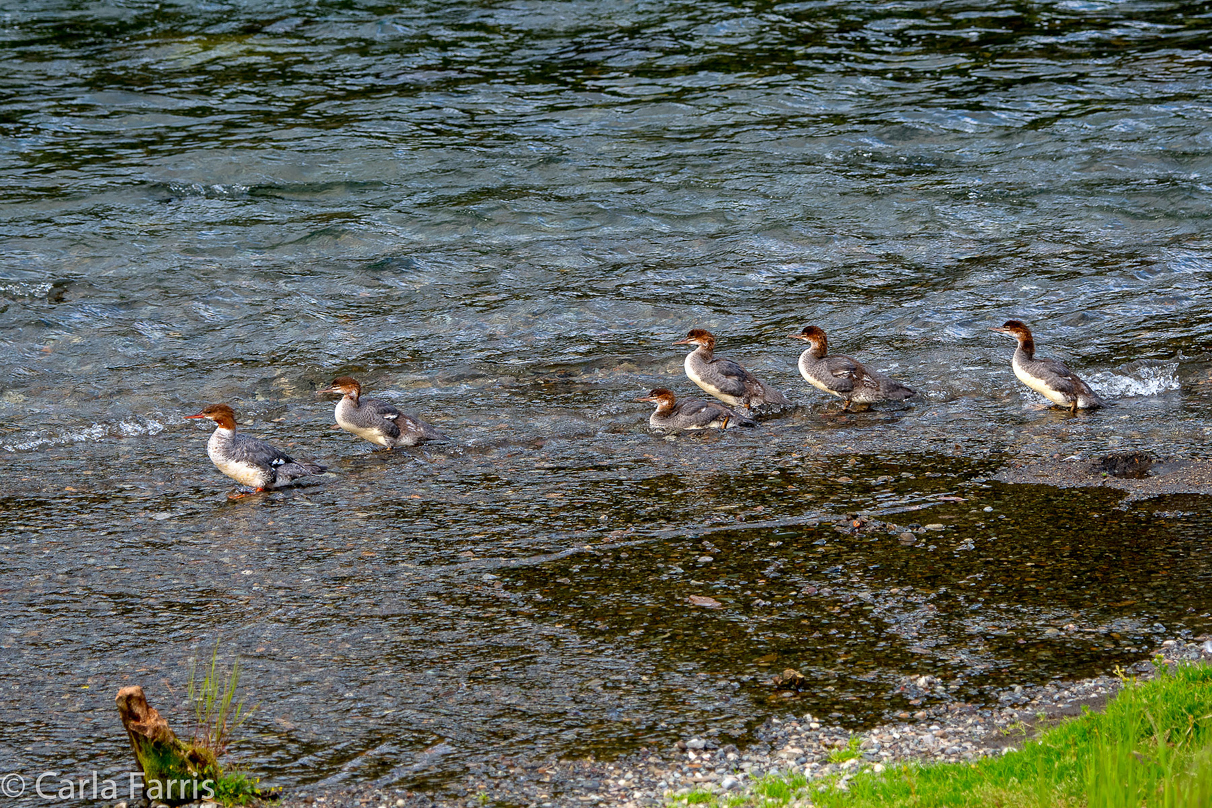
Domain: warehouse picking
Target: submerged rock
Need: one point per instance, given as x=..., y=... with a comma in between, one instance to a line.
x=1126, y=465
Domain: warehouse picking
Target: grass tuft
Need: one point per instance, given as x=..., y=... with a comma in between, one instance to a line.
x=237, y=788
x=848, y=752
x=216, y=712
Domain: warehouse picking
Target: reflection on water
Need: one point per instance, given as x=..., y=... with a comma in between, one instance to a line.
x=500, y=217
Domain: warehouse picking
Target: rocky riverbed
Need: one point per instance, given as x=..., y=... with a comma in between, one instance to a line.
x=1141, y=475
x=946, y=731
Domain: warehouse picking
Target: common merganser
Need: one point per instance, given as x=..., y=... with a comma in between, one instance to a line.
x=724, y=378
x=250, y=461
x=842, y=376
x=692, y=413
x=377, y=421
x=1051, y=378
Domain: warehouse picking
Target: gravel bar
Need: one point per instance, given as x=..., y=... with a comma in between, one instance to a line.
x=949, y=731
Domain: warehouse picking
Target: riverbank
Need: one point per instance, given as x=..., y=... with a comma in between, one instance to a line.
x=945, y=732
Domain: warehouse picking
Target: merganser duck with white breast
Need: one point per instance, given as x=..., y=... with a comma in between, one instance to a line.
x=724, y=378
x=1051, y=378
x=250, y=461
x=377, y=421
x=842, y=376
x=691, y=413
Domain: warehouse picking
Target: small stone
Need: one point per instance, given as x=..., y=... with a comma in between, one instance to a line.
x=704, y=559
x=935, y=526
x=400, y=803
x=877, y=768
x=988, y=509
x=729, y=782
x=696, y=743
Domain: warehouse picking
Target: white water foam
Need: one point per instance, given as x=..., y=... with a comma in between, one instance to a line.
x=1146, y=377
x=18, y=289
x=96, y=432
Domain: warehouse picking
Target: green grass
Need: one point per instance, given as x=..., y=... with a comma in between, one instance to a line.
x=848, y=752
x=217, y=715
x=1151, y=748
x=216, y=712
x=237, y=788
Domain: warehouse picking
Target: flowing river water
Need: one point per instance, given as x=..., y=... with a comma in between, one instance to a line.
x=500, y=215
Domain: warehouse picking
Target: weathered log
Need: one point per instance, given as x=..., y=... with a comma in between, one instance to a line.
x=173, y=772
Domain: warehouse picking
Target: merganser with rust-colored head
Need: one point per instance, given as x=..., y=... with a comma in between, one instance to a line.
x=691, y=413
x=377, y=421
x=250, y=461
x=724, y=378
x=1051, y=378
x=842, y=376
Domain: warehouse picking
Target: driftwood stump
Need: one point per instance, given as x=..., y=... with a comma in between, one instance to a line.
x=173, y=772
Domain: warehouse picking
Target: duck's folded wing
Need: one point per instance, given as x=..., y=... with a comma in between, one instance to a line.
x=1056, y=375
x=282, y=467
x=416, y=426
x=702, y=413
x=729, y=377
x=256, y=452
x=843, y=374
x=389, y=416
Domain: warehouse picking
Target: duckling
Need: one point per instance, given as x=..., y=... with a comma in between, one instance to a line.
x=377, y=421
x=691, y=413
x=1051, y=378
x=842, y=376
x=724, y=378
x=247, y=460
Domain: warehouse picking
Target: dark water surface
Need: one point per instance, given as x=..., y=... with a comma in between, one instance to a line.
x=499, y=215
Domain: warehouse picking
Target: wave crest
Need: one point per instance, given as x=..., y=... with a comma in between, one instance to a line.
x=1144, y=377
x=96, y=432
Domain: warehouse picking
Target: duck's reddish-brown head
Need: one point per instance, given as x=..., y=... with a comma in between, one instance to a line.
x=698, y=336
x=223, y=415
x=1015, y=329
x=344, y=385
x=664, y=398
x=814, y=335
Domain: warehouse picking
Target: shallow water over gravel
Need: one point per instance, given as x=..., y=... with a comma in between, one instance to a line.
x=499, y=216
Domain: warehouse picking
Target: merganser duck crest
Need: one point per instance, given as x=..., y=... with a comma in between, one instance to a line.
x=691, y=413
x=377, y=421
x=1051, y=378
x=842, y=376
x=247, y=460
x=724, y=378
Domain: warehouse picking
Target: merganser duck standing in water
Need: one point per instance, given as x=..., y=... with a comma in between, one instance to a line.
x=377, y=421
x=725, y=379
x=842, y=376
x=247, y=460
x=691, y=413
x=1050, y=378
